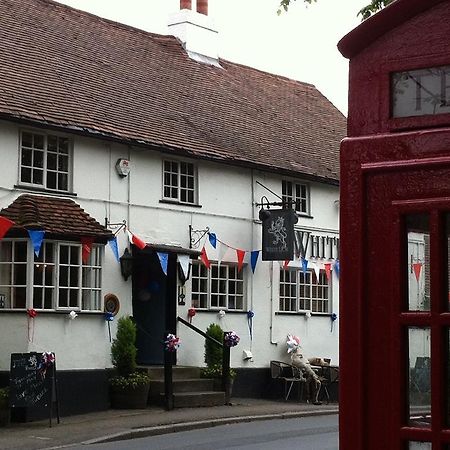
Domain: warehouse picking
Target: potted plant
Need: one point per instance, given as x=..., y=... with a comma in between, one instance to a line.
x=4, y=407
x=129, y=388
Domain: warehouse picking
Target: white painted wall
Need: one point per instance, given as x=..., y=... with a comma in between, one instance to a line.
x=227, y=195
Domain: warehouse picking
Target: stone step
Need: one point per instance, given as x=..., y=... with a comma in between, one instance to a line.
x=195, y=399
x=178, y=373
x=184, y=385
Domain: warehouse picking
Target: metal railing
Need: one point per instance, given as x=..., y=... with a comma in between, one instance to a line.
x=169, y=361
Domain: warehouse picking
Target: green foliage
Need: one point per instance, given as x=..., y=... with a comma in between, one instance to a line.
x=373, y=7
x=213, y=353
x=4, y=394
x=123, y=349
x=132, y=381
x=215, y=372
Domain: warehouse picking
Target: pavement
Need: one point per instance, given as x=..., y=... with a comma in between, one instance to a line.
x=113, y=424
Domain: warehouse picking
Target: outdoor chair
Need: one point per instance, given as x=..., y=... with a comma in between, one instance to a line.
x=289, y=375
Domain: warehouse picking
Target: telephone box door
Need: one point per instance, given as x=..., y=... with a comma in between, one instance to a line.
x=395, y=284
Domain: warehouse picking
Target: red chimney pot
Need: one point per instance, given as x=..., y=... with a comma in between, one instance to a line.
x=185, y=4
x=202, y=7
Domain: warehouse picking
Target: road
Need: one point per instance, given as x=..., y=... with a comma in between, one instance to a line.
x=307, y=433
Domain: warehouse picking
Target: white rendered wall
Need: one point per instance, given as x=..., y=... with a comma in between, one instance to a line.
x=227, y=195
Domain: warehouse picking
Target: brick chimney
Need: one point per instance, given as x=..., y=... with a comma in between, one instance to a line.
x=196, y=31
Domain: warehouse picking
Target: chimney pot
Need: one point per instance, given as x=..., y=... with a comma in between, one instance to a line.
x=185, y=4
x=202, y=7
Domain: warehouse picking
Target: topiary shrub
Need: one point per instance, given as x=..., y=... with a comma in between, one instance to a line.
x=213, y=353
x=123, y=349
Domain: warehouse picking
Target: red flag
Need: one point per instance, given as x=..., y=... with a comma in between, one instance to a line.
x=240, y=256
x=5, y=225
x=204, y=258
x=86, y=247
x=286, y=263
x=328, y=270
x=139, y=243
x=417, y=267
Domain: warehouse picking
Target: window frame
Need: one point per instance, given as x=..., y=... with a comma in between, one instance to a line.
x=301, y=302
x=94, y=263
x=295, y=186
x=177, y=186
x=239, y=277
x=44, y=185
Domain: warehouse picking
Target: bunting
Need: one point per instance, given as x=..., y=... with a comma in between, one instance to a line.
x=417, y=267
x=184, y=261
x=36, y=236
x=163, y=260
x=204, y=258
x=254, y=259
x=5, y=225
x=223, y=249
x=240, y=257
x=304, y=265
x=86, y=247
x=327, y=270
x=213, y=239
x=114, y=247
x=139, y=243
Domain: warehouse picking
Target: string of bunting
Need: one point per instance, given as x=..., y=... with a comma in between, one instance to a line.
x=303, y=263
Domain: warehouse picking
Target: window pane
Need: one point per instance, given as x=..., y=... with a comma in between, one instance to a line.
x=38, y=141
x=26, y=157
x=38, y=176
x=25, y=175
x=418, y=267
x=419, y=446
x=51, y=180
x=419, y=373
x=27, y=140
x=52, y=142
x=51, y=161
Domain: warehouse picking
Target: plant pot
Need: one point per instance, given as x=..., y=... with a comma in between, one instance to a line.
x=4, y=413
x=129, y=397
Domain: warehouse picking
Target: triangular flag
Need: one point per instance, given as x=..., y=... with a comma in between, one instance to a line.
x=286, y=263
x=36, y=236
x=114, y=247
x=184, y=264
x=163, y=259
x=213, y=239
x=417, y=267
x=304, y=265
x=337, y=268
x=86, y=247
x=139, y=243
x=240, y=257
x=254, y=259
x=328, y=270
x=223, y=248
x=316, y=268
x=5, y=225
x=204, y=258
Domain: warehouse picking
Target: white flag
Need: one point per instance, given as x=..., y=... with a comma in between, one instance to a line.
x=223, y=248
x=184, y=264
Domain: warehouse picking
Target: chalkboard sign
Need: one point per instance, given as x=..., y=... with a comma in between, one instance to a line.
x=278, y=235
x=30, y=382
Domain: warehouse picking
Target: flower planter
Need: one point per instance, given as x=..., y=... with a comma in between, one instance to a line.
x=4, y=412
x=129, y=397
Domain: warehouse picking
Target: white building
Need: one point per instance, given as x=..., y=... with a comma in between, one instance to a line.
x=206, y=140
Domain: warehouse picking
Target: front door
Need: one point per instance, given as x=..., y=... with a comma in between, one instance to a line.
x=395, y=315
x=154, y=307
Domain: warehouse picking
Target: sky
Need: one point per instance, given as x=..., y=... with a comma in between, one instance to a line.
x=299, y=44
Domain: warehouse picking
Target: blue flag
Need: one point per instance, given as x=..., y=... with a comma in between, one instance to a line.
x=337, y=268
x=36, y=236
x=254, y=259
x=163, y=259
x=114, y=247
x=304, y=265
x=213, y=239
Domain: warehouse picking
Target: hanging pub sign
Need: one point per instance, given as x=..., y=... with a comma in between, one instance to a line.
x=278, y=234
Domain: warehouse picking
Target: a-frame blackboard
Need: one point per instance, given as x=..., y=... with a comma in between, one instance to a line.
x=32, y=383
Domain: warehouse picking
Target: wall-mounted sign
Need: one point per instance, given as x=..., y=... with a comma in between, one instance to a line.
x=123, y=167
x=309, y=245
x=112, y=304
x=278, y=234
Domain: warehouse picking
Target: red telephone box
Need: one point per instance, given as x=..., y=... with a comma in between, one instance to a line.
x=395, y=231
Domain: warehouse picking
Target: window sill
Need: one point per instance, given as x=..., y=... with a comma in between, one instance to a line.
x=216, y=311
x=301, y=313
x=26, y=188
x=304, y=215
x=46, y=311
x=176, y=202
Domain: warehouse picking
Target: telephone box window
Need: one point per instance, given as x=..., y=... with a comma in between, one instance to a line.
x=419, y=376
x=419, y=446
x=421, y=92
x=418, y=266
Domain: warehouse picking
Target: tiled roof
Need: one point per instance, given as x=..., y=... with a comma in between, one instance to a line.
x=63, y=67
x=56, y=216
